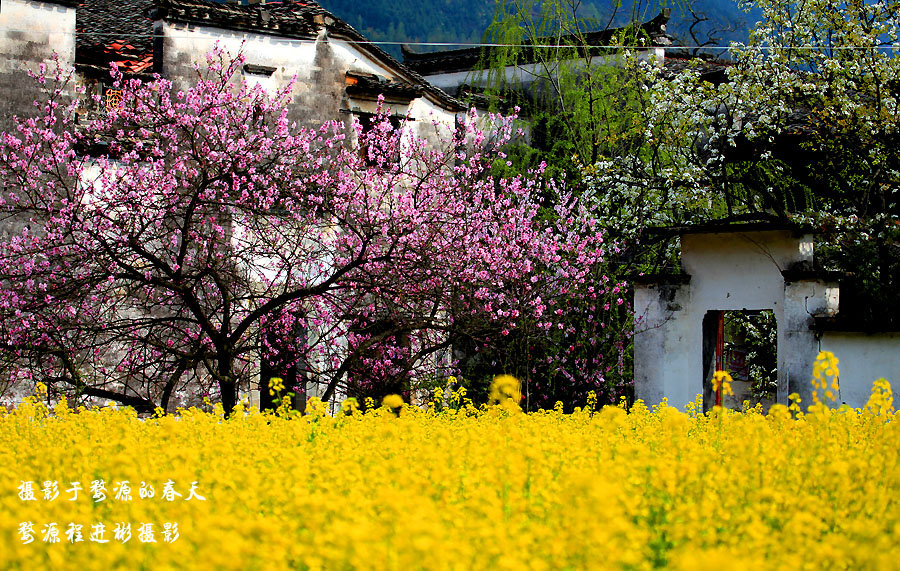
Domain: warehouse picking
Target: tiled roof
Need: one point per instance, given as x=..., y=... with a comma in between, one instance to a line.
x=413, y=77
x=467, y=59
x=366, y=84
x=711, y=69
x=749, y=222
x=121, y=31
x=117, y=31
x=290, y=19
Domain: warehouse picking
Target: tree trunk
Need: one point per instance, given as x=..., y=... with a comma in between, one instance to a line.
x=227, y=384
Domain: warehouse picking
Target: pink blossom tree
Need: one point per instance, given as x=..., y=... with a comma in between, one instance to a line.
x=178, y=240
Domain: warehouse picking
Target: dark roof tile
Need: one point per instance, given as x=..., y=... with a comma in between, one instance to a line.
x=117, y=31
x=710, y=69
x=289, y=19
x=369, y=84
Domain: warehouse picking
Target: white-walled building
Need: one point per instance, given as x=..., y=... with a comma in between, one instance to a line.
x=338, y=74
x=460, y=70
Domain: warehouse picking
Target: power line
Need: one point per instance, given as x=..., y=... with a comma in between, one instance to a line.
x=736, y=47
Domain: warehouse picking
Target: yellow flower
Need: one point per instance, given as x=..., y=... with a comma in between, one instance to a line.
x=470, y=488
x=505, y=387
x=722, y=380
x=316, y=407
x=506, y=392
x=276, y=385
x=350, y=406
x=825, y=367
x=392, y=401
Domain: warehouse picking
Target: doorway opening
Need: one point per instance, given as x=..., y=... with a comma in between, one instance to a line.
x=743, y=343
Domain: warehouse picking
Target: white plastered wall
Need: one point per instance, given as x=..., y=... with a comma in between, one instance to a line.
x=526, y=74
x=30, y=33
x=43, y=23
x=319, y=66
x=862, y=359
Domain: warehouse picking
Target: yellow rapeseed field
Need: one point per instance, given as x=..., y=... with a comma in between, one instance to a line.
x=458, y=488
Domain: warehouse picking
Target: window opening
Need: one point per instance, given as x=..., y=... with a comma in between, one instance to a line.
x=391, y=155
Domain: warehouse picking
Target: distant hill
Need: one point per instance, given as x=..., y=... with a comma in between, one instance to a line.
x=464, y=21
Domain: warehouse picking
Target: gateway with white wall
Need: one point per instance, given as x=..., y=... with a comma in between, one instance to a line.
x=751, y=266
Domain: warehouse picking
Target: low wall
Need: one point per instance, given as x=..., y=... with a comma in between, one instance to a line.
x=862, y=359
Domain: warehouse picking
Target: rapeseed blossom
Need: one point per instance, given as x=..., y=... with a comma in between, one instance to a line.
x=392, y=401
x=506, y=392
x=722, y=381
x=452, y=488
x=276, y=385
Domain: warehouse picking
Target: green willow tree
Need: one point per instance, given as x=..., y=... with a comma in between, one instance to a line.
x=564, y=64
